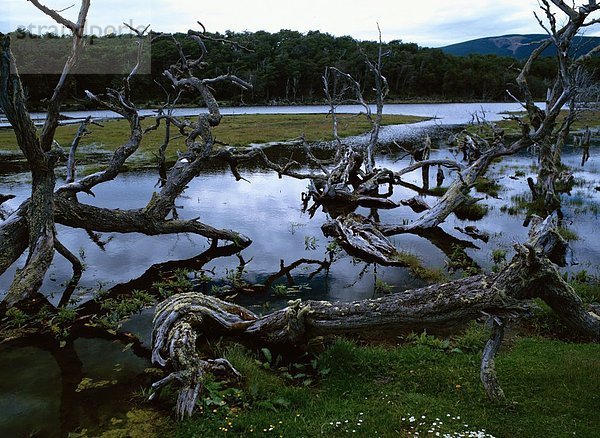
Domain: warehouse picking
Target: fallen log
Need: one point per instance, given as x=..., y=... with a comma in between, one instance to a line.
x=182, y=319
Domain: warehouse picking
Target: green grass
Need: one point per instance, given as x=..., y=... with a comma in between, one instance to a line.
x=567, y=234
x=374, y=390
x=471, y=211
x=584, y=119
x=487, y=186
x=238, y=130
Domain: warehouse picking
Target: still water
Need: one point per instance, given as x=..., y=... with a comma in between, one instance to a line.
x=445, y=113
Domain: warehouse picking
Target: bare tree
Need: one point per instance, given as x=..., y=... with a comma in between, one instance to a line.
x=32, y=224
x=41, y=155
x=352, y=179
x=570, y=84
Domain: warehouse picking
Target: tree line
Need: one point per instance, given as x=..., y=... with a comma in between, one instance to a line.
x=287, y=67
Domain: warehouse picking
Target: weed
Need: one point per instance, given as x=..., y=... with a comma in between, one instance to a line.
x=499, y=256
x=294, y=226
x=118, y=309
x=582, y=276
x=487, y=186
x=235, y=277
x=425, y=340
x=16, y=318
x=176, y=282
x=568, y=235
x=472, y=340
x=280, y=290
x=459, y=260
x=333, y=249
x=310, y=243
x=471, y=211
x=382, y=288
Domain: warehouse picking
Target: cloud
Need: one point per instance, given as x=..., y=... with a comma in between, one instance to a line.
x=431, y=23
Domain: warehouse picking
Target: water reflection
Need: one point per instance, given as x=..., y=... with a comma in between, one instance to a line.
x=268, y=210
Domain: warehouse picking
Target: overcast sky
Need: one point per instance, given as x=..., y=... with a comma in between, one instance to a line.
x=431, y=23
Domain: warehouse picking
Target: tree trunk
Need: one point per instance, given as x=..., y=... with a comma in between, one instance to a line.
x=440, y=309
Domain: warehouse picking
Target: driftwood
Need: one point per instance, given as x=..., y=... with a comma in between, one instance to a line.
x=41, y=154
x=182, y=319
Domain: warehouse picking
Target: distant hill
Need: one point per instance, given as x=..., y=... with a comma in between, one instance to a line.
x=515, y=46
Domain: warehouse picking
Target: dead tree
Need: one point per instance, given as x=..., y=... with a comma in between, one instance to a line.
x=184, y=319
x=548, y=132
x=41, y=155
x=32, y=227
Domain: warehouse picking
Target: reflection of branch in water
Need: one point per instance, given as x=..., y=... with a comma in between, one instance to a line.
x=155, y=272
x=77, y=271
x=286, y=271
x=451, y=246
x=73, y=406
x=96, y=238
x=361, y=274
x=71, y=374
x=420, y=190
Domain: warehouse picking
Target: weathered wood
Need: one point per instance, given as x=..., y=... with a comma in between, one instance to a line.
x=438, y=309
x=361, y=237
x=41, y=156
x=488, y=375
x=36, y=216
x=549, y=132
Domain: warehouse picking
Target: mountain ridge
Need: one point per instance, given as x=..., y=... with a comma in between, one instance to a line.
x=517, y=46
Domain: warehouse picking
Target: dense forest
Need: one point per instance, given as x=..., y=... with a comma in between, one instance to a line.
x=287, y=67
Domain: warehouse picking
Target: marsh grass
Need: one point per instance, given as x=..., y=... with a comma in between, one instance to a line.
x=488, y=186
x=238, y=130
x=511, y=128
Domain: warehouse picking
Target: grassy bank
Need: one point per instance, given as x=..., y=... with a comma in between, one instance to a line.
x=590, y=118
x=424, y=387
x=238, y=130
